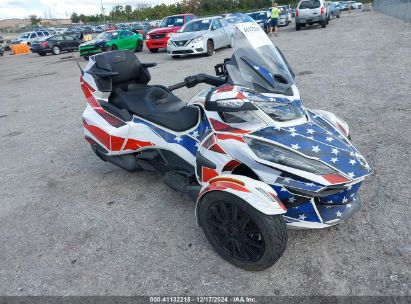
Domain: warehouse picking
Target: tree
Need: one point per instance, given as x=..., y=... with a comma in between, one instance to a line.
x=75, y=18
x=34, y=19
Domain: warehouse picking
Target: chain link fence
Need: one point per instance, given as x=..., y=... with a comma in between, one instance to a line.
x=396, y=8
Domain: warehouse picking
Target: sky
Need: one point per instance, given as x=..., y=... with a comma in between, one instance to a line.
x=63, y=8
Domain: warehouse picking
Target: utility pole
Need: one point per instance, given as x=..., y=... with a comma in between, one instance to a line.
x=102, y=12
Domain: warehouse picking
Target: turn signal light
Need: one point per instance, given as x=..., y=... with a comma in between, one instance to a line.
x=322, y=10
x=296, y=12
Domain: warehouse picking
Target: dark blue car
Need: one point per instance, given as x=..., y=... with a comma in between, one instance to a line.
x=262, y=18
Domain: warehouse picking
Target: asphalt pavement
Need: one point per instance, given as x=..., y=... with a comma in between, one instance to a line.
x=71, y=224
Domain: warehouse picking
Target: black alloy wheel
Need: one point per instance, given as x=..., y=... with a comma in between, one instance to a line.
x=139, y=46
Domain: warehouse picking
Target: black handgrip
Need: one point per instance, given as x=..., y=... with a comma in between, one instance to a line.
x=177, y=86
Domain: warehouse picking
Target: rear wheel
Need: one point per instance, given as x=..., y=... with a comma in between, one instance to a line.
x=42, y=54
x=241, y=234
x=298, y=26
x=56, y=50
x=323, y=24
x=114, y=47
x=153, y=50
x=139, y=46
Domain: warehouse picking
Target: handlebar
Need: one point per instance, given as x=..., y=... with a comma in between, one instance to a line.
x=177, y=86
x=192, y=81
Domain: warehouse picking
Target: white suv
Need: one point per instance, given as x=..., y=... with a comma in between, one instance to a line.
x=29, y=37
x=310, y=12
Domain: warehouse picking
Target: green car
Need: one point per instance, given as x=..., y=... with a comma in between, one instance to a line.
x=112, y=40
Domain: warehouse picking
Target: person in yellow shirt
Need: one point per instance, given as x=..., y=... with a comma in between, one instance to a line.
x=275, y=13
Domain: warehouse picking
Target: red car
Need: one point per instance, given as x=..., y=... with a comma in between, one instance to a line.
x=157, y=38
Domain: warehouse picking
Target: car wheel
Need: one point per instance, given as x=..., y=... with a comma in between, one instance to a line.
x=210, y=48
x=153, y=50
x=139, y=46
x=113, y=47
x=175, y=56
x=298, y=26
x=55, y=50
x=86, y=57
x=42, y=54
x=338, y=16
x=242, y=235
x=323, y=24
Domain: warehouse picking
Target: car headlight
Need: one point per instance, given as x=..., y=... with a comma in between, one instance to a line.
x=282, y=156
x=148, y=37
x=198, y=39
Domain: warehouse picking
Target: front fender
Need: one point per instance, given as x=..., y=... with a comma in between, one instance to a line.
x=256, y=193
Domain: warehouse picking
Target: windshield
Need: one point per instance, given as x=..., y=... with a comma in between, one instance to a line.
x=197, y=25
x=256, y=63
x=172, y=21
x=237, y=18
x=310, y=4
x=107, y=36
x=260, y=16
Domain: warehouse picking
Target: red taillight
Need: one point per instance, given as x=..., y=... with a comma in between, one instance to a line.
x=296, y=12
x=44, y=43
x=322, y=10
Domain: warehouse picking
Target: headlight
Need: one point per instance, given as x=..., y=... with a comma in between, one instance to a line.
x=198, y=39
x=148, y=37
x=286, y=157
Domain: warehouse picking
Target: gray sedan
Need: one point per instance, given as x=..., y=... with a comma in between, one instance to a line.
x=200, y=36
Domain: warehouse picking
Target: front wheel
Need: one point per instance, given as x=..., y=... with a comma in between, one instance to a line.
x=55, y=50
x=210, y=48
x=338, y=16
x=242, y=235
x=298, y=26
x=139, y=46
x=323, y=24
x=113, y=47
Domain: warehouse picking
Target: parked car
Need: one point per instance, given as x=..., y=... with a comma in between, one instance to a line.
x=55, y=45
x=356, y=5
x=99, y=29
x=158, y=38
x=30, y=37
x=142, y=29
x=112, y=40
x=285, y=17
x=199, y=36
x=292, y=12
x=334, y=9
x=310, y=12
x=262, y=18
x=1, y=51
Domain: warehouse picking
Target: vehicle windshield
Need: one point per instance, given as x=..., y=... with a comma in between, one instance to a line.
x=259, y=16
x=197, y=25
x=256, y=63
x=107, y=36
x=172, y=21
x=238, y=18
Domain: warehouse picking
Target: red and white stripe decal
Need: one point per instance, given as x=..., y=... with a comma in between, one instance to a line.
x=223, y=127
x=111, y=119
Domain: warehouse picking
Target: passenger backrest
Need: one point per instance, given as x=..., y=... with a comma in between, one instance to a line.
x=126, y=64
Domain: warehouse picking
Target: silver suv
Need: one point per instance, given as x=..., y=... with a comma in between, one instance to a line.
x=310, y=12
x=29, y=37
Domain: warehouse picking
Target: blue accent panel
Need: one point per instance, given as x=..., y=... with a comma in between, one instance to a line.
x=339, y=212
x=342, y=197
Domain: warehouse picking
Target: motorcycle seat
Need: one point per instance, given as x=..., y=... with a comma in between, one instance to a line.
x=122, y=74
x=156, y=104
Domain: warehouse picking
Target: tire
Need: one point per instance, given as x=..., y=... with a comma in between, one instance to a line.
x=256, y=250
x=42, y=54
x=86, y=57
x=139, y=46
x=323, y=24
x=338, y=16
x=153, y=50
x=298, y=26
x=175, y=56
x=56, y=50
x=210, y=48
x=113, y=47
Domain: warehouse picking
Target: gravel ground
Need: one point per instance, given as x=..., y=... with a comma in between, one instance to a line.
x=73, y=225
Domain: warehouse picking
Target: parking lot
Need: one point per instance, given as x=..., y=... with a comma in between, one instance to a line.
x=73, y=225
